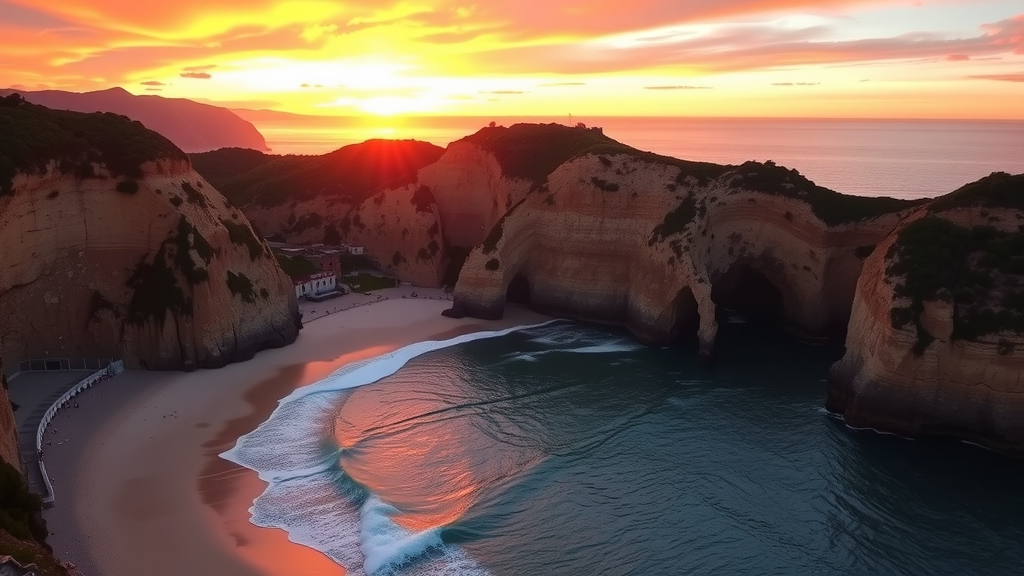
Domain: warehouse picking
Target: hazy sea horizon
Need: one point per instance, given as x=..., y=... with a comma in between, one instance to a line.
x=898, y=158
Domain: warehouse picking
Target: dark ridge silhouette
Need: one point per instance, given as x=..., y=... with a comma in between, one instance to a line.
x=192, y=126
x=351, y=174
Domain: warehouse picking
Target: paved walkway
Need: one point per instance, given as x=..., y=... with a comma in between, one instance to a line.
x=34, y=393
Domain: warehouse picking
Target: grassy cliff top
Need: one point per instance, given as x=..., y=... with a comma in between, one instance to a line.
x=979, y=269
x=352, y=173
x=33, y=136
x=833, y=208
x=997, y=190
x=533, y=151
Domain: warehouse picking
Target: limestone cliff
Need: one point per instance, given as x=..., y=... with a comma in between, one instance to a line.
x=658, y=244
x=110, y=253
x=9, y=451
x=936, y=339
x=364, y=194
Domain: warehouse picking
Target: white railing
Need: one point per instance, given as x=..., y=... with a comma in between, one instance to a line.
x=112, y=369
x=56, y=365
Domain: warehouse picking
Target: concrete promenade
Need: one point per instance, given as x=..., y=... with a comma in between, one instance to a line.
x=34, y=393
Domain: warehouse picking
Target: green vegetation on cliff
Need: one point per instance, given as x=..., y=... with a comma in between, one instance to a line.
x=296, y=266
x=980, y=269
x=998, y=190
x=22, y=529
x=241, y=285
x=35, y=136
x=350, y=174
x=533, y=151
x=156, y=292
x=830, y=206
x=364, y=282
x=241, y=235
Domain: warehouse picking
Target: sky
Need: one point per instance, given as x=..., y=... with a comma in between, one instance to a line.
x=745, y=58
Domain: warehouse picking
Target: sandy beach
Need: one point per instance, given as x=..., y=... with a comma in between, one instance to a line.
x=138, y=483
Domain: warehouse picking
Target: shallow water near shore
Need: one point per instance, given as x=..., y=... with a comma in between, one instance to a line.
x=569, y=449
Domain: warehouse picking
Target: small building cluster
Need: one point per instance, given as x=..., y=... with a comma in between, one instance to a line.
x=319, y=286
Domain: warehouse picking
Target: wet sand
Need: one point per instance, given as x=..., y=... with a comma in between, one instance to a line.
x=139, y=486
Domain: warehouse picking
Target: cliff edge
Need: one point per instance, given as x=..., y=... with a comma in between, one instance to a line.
x=115, y=247
x=607, y=233
x=936, y=338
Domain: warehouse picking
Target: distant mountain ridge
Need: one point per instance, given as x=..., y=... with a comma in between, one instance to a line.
x=191, y=126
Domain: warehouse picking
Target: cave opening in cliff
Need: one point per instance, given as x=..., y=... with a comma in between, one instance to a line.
x=746, y=292
x=518, y=290
x=687, y=317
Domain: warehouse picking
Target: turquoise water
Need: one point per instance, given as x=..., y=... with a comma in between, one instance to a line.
x=568, y=449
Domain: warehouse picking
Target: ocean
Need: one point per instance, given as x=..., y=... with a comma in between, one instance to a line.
x=567, y=449
x=898, y=158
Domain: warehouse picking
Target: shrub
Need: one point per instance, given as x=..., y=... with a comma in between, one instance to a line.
x=127, y=186
x=156, y=292
x=241, y=285
x=935, y=258
x=296, y=267
x=194, y=196
x=185, y=240
x=423, y=199
x=604, y=185
x=675, y=221
x=241, y=235
x=19, y=508
x=397, y=258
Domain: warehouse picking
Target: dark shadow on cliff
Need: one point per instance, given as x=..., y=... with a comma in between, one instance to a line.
x=518, y=290
x=748, y=293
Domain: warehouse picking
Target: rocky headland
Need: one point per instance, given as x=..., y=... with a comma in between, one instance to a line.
x=578, y=225
x=191, y=126
x=935, y=344
x=603, y=232
x=115, y=247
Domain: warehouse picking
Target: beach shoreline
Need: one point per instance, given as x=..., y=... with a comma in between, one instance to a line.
x=138, y=481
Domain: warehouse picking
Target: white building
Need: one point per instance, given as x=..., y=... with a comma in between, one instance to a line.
x=319, y=283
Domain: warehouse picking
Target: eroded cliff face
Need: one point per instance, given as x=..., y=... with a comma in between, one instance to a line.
x=159, y=270
x=472, y=192
x=399, y=228
x=623, y=239
x=9, y=451
x=940, y=354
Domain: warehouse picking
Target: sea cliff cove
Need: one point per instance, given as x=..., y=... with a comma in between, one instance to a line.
x=319, y=289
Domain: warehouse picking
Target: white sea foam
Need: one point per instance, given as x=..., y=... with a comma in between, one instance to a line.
x=310, y=497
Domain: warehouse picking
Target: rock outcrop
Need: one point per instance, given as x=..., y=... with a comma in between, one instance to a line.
x=936, y=340
x=191, y=126
x=9, y=451
x=612, y=234
x=117, y=248
x=363, y=194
